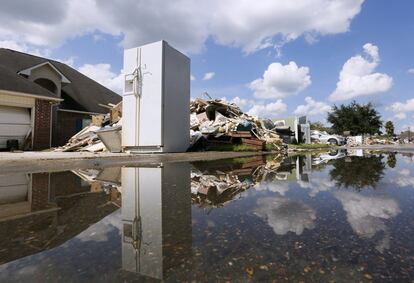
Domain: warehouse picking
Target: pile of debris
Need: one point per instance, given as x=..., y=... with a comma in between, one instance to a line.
x=216, y=188
x=106, y=180
x=373, y=140
x=92, y=137
x=213, y=122
x=216, y=121
x=353, y=141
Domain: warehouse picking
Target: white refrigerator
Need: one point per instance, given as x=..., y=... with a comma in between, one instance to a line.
x=156, y=97
x=156, y=218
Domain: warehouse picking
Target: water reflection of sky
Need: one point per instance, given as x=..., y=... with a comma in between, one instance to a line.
x=338, y=216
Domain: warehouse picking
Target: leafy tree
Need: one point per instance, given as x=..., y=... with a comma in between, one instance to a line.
x=389, y=128
x=391, y=161
x=356, y=118
x=358, y=172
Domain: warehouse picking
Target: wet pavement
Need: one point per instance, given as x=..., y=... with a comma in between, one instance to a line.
x=343, y=216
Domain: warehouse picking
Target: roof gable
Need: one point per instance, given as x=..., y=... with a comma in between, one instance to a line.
x=10, y=81
x=28, y=71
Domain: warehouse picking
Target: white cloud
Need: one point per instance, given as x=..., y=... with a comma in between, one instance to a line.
x=279, y=81
x=102, y=74
x=26, y=48
x=405, y=172
x=23, y=47
x=358, y=206
x=186, y=24
x=277, y=187
x=270, y=110
x=192, y=78
x=10, y=44
x=208, y=76
x=366, y=214
x=411, y=71
x=317, y=184
x=401, y=109
x=357, y=77
x=252, y=25
x=241, y=102
x=312, y=107
x=98, y=37
x=285, y=215
x=405, y=179
x=400, y=116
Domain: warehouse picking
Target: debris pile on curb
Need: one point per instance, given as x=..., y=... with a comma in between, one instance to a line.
x=88, y=138
x=216, y=121
x=372, y=140
x=213, y=122
x=353, y=141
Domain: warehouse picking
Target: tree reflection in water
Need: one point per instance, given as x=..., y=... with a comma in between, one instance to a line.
x=358, y=172
x=391, y=160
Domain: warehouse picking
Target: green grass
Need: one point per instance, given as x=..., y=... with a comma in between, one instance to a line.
x=268, y=147
x=309, y=146
x=242, y=160
x=272, y=147
x=230, y=147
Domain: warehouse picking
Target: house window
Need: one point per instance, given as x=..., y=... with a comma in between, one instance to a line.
x=86, y=122
x=82, y=123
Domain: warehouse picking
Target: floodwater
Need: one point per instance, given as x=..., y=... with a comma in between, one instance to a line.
x=333, y=217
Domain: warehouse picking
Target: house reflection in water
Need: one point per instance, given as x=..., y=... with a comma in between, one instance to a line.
x=39, y=211
x=156, y=217
x=25, y=212
x=22, y=193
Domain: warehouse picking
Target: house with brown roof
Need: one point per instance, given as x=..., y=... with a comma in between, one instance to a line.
x=44, y=102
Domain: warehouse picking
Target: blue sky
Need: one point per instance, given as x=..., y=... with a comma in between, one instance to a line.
x=274, y=58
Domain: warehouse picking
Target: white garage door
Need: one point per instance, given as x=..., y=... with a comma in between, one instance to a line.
x=14, y=188
x=15, y=123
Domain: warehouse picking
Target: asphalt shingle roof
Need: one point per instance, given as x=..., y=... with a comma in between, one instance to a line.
x=85, y=91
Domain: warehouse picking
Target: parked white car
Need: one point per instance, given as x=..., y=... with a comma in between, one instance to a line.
x=324, y=137
x=325, y=158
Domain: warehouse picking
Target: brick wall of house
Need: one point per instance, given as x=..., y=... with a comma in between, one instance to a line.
x=67, y=124
x=40, y=191
x=66, y=183
x=41, y=137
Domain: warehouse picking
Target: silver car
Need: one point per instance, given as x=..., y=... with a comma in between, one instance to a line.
x=326, y=138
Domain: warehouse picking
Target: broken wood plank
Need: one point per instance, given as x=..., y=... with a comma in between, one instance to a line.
x=240, y=134
x=94, y=147
x=254, y=163
x=97, y=120
x=116, y=113
x=76, y=145
x=252, y=142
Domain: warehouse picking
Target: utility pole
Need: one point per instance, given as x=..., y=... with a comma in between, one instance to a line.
x=409, y=134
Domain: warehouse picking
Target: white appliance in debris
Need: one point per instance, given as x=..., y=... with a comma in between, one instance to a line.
x=156, y=115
